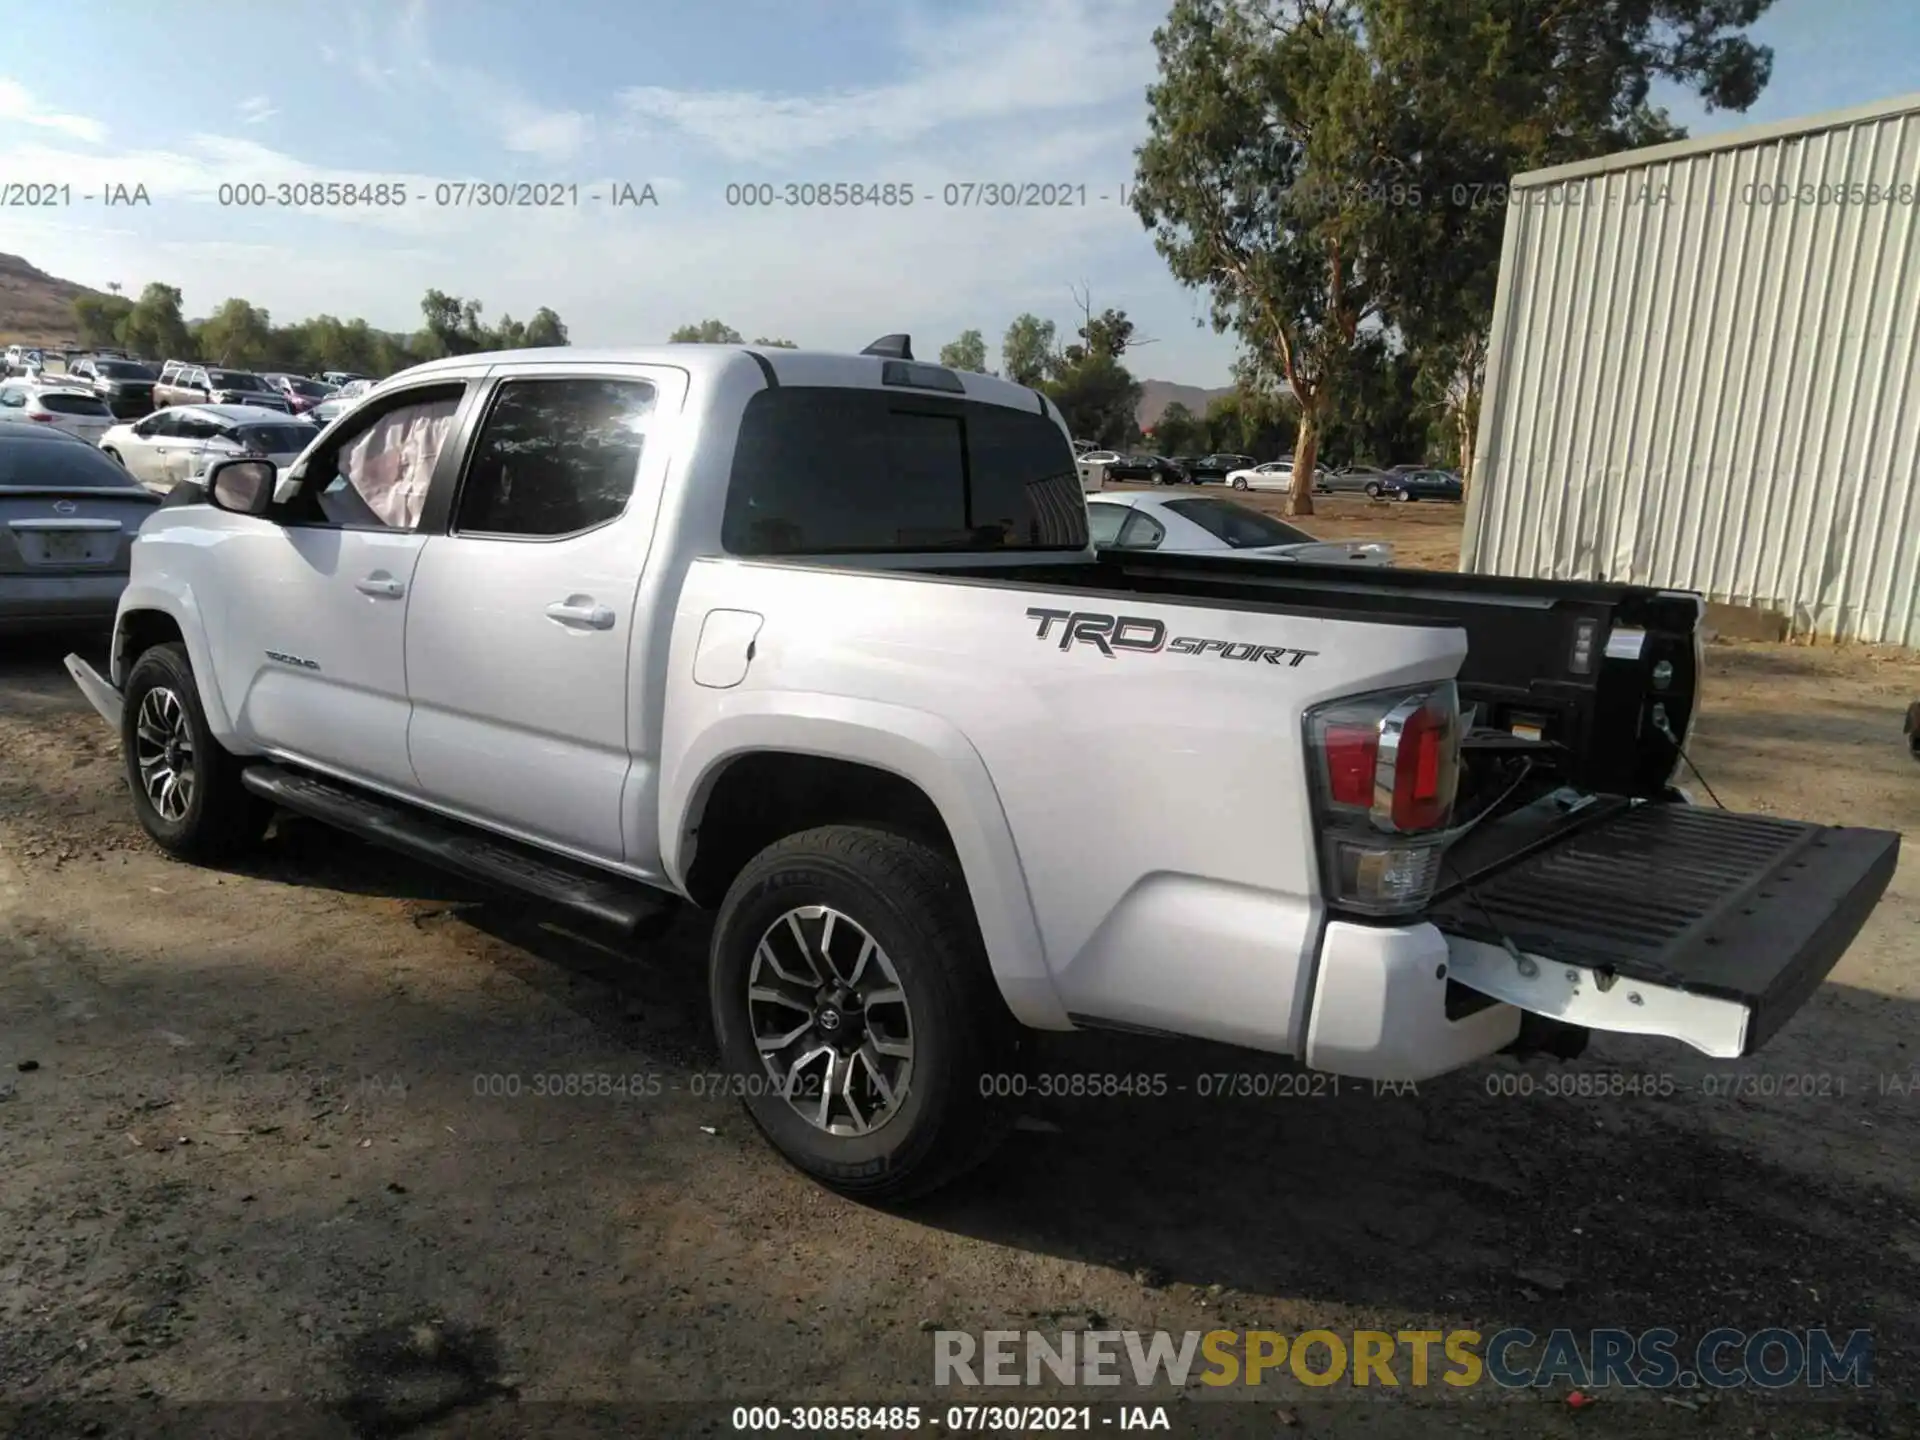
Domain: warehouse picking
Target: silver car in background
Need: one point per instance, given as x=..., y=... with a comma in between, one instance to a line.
x=68, y=407
x=67, y=517
x=1215, y=525
x=181, y=441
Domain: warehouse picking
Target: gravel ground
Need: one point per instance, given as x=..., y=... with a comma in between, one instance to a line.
x=250, y=1153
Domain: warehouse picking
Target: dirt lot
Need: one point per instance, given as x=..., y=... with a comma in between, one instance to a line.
x=249, y=1157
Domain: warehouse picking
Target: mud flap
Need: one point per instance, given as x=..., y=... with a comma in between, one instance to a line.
x=1705, y=926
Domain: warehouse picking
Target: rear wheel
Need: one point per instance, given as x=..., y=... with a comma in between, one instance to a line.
x=855, y=1010
x=186, y=788
x=1373, y=491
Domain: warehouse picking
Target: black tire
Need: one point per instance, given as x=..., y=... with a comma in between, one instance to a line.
x=113, y=455
x=1373, y=492
x=221, y=818
x=913, y=902
x=1240, y=484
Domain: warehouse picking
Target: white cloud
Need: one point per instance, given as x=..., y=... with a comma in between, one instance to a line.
x=998, y=67
x=18, y=107
x=256, y=110
x=1038, y=93
x=550, y=134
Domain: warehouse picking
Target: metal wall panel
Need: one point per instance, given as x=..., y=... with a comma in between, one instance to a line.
x=1695, y=383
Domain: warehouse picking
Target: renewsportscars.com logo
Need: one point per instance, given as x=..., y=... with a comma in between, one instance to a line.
x=1773, y=1359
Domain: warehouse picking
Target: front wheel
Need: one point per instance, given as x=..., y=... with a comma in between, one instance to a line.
x=855, y=1011
x=186, y=787
x=1240, y=482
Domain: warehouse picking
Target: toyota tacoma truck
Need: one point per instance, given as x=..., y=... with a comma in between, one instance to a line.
x=818, y=642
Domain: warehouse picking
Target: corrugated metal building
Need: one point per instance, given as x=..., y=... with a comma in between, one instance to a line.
x=1703, y=374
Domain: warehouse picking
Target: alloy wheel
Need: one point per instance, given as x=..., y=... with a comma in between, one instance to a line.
x=830, y=1021
x=163, y=753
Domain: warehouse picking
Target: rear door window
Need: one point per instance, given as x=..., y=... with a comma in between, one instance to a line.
x=831, y=470
x=274, y=439
x=57, y=404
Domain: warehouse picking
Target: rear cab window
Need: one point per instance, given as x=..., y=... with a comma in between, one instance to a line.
x=845, y=470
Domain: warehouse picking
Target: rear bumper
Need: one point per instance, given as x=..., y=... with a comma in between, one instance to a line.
x=1380, y=1009
x=53, y=602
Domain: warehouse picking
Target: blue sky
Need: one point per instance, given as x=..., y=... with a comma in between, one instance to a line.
x=689, y=98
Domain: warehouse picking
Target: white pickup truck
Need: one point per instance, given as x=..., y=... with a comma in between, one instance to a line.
x=819, y=642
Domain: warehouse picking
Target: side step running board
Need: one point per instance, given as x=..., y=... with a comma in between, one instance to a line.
x=625, y=906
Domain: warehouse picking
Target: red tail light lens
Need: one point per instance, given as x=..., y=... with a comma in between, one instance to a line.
x=1352, y=754
x=1386, y=768
x=1420, y=799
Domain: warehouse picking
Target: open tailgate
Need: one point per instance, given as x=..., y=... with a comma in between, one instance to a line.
x=1706, y=926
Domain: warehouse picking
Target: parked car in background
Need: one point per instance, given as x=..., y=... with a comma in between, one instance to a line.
x=1353, y=480
x=216, y=385
x=1274, y=475
x=300, y=393
x=22, y=359
x=341, y=378
x=341, y=401
x=125, y=385
x=1212, y=469
x=1424, y=484
x=1213, y=524
x=1152, y=469
x=59, y=406
x=67, y=517
x=178, y=442
x=1081, y=447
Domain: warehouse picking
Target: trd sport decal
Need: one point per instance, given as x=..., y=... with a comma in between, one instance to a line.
x=1111, y=633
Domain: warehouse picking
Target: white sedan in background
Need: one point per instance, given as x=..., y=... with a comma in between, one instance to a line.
x=179, y=442
x=1213, y=524
x=64, y=407
x=1274, y=475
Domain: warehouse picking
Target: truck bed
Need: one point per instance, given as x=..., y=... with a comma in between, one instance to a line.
x=1573, y=665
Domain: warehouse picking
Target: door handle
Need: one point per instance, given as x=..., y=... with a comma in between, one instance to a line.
x=585, y=617
x=381, y=585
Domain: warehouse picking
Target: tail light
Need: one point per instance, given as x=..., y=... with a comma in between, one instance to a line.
x=1386, y=768
x=36, y=414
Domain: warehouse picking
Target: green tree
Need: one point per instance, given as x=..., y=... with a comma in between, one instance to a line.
x=707, y=332
x=1027, y=350
x=237, y=334
x=1098, y=399
x=1472, y=92
x=453, y=326
x=968, y=352
x=98, y=318
x=1177, y=431
x=154, y=327
x=1253, y=134
x=775, y=344
x=546, y=330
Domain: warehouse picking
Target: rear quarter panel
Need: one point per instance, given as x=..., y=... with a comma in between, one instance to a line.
x=1135, y=827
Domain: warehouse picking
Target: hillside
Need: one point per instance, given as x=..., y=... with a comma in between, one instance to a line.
x=35, y=307
x=1156, y=395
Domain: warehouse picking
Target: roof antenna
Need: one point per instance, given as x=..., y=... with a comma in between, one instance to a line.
x=891, y=347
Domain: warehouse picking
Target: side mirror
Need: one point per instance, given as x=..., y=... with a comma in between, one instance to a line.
x=243, y=486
